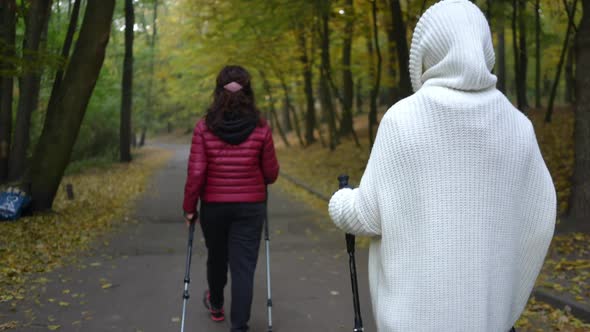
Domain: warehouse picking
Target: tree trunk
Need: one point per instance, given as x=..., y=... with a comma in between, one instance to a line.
x=29, y=84
x=310, y=117
x=401, y=44
x=391, y=59
x=143, y=136
x=538, y=54
x=286, y=118
x=134, y=139
x=297, y=125
x=60, y=130
x=65, y=53
x=152, y=43
x=517, y=72
x=273, y=111
x=501, y=48
x=359, y=96
x=290, y=109
x=325, y=92
x=580, y=198
x=346, y=122
x=127, y=85
x=8, y=40
x=550, y=104
x=570, y=80
x=377, y=82
x=371, y=56
x=523, y=53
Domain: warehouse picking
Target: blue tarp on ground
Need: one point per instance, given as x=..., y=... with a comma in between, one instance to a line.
x=12, y=204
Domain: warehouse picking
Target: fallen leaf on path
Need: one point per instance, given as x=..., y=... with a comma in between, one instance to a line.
x=8, y=325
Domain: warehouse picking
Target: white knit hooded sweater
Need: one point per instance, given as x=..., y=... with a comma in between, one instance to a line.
x=456, y=195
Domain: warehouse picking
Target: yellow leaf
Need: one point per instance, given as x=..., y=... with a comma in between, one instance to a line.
x=53, y=327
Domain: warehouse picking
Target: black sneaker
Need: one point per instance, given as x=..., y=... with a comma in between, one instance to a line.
x=217, y=315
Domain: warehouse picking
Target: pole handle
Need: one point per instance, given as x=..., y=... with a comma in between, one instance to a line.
x=350, y=241
x=343, y=181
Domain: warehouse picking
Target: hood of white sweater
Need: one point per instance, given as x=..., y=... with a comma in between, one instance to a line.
x=452, y=47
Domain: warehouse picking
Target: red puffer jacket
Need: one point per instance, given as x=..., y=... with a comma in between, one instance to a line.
x=221, y=172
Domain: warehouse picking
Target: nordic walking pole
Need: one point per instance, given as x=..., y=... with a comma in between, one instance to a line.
x=267, y=240
x=187, y=273
x=350, y=242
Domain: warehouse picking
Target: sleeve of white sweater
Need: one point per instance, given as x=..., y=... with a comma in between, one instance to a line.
x=356, y=211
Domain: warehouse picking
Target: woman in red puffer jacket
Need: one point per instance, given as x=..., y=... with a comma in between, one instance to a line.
x=232, y=160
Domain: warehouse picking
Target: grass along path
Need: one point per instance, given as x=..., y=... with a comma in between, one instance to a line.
x=44, y=242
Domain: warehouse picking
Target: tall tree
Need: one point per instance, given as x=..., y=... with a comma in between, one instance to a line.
x=65, y=53
x=346, y=123
x=538, y=53
x=36, y=20
x=391, y=57
x=150, y=98
x=501, y=46
x=272, y=109
x=401, y=45
x=324, y=8
x=359, y=96
x=127, y=85
x=570, y=79
x=61, y=128
x=523, y=53
x=580, y=197
x=377, y=80
x=571, y=13
x=289, y=106
x=310, y=116
x=7, y=52
x=520, y=53
x=286, y=116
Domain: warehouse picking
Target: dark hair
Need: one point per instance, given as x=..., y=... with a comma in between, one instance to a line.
x=232, y=105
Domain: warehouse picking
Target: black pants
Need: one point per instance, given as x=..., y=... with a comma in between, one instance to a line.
x=232, y=235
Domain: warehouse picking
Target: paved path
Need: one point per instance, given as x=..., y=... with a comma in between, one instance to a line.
x=144, y=263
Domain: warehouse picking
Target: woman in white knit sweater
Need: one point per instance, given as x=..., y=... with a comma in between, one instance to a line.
x=456, y=195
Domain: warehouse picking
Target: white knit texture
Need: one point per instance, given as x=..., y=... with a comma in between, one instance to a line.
x=456, y=194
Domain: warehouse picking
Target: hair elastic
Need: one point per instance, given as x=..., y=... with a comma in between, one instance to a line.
x=233, y=87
